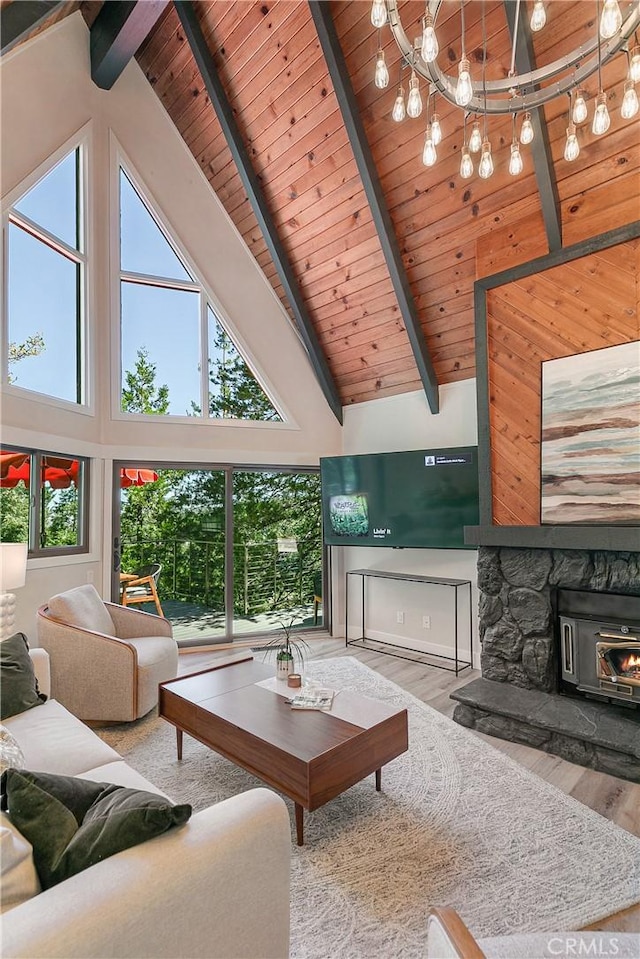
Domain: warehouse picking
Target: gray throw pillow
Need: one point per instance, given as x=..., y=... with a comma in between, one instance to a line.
x=18, y=685
x=74, y=823
x=82, y=607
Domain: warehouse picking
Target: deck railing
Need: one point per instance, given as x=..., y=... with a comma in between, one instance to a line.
x=273, y=575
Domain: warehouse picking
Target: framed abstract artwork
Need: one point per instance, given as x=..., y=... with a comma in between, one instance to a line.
x=590, y=440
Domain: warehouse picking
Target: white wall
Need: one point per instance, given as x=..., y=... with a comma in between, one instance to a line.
x=404, y=423
x=47, y=98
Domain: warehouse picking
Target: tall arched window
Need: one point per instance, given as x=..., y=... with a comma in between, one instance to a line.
x=177, y=358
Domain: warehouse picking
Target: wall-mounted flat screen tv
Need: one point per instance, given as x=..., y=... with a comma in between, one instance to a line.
x=419, y=498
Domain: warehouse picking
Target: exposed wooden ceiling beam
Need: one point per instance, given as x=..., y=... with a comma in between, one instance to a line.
x=540, y=146
x=19, y=18
x=375, y=196
x=218, y=97
x=117, y=33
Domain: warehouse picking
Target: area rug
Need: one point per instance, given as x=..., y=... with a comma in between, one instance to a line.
x=457, y=823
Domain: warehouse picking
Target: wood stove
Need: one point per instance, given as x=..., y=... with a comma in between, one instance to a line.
x=598, y=636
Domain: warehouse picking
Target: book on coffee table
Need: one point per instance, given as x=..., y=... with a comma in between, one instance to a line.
x=313, y=699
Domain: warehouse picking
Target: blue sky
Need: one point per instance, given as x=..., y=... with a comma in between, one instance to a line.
x=42, y=285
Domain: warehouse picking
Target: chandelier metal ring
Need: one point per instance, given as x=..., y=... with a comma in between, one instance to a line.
x=497, y=96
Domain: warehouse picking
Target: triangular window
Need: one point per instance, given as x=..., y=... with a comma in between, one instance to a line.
x=143, y=246
x=46, y=266
x=234, y=392
x=172, y=363
x=53, y=202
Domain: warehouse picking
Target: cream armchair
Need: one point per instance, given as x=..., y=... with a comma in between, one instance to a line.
x=106, y=660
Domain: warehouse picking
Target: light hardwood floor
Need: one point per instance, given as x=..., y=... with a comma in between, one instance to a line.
x=615, y=799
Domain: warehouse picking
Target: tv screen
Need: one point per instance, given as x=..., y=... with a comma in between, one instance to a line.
x=419, y=498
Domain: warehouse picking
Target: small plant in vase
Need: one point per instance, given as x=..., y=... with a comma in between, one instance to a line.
x=287, y=650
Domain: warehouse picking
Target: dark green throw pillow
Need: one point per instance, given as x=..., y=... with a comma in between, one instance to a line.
x=73, y=823
x=18, y=685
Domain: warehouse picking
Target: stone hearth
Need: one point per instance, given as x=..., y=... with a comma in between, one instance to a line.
x=517, y=697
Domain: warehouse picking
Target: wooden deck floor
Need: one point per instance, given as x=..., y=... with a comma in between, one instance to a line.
x=194, y=622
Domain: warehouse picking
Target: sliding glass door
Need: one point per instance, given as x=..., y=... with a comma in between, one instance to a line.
x=234, y=551
x=277, y=550
x=175, y=519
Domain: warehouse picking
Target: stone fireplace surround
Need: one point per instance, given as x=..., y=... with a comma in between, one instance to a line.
x=517, y=698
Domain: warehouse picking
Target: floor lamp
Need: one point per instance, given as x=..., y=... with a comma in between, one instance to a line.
x=13, y=573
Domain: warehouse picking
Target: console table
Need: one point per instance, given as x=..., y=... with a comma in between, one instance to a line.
x=393, y=649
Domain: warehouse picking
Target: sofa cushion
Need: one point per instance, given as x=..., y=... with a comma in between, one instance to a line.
x=19, y=879
x=121, y=774
x=82, y=607
x=54, y=741
x=74, y=823
x=17, y=678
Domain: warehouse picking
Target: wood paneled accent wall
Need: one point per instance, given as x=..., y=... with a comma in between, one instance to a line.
x=583, y=305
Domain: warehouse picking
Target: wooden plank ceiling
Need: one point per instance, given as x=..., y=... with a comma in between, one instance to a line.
x=449, y=230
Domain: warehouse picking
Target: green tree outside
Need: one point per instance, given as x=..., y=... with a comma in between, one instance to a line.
x=32, y=346
x=14, y=503
x=179, y=520
x=234, y=392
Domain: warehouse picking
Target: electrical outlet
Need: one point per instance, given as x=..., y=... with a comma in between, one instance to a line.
x=89, y=575
x=426, y=622
x=399, y=616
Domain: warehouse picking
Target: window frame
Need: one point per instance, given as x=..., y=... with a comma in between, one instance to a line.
x=120, y=162
x=36, y=456
x=229, y=469
x=82, y=257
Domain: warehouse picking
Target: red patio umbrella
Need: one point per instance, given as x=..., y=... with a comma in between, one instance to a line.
x=60, y=472
x=14, y=468
x=136, y=477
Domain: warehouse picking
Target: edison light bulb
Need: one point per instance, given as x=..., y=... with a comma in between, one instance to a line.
x=398, y=112
x=382, y=74
x=379, y=13
x=630, y=104
x=601, y=119
x=464, y=90
x=486, y=161
x=610, y=19
x=526, y=130
x=466, y=164
x=579, y=112
x=634, y=65
x=571, y=147
x=414, y=102
x=429, y=155
x=475, y=142
x=430, y=48
x=436, y=130
x=515, y=162
x=538, y=16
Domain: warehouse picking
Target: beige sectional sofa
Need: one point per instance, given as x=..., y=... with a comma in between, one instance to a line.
x=217, y=886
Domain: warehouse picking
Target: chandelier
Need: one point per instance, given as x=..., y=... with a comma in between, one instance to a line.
x=517, y=94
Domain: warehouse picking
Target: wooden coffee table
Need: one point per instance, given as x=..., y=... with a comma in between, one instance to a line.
x=242, y=713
